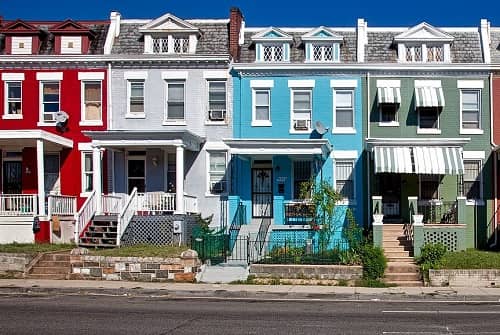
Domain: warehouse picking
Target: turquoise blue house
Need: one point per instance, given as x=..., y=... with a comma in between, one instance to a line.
x=297, y=116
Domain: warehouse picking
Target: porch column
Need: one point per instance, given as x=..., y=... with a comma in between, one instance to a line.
x=41, y=177
x=179, y=180
x=96, y=167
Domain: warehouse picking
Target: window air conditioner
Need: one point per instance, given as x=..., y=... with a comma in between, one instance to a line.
x=301, y=124
x=217, y=115
x=217, y=186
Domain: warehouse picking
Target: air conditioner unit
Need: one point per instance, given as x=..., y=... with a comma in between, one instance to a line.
x=218, y=186
x=217, y=115
x=301, y=124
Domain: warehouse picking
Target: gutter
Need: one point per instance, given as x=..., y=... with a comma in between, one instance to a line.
x=495, y=166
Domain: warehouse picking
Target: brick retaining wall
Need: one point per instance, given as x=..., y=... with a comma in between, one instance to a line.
x=14, y=263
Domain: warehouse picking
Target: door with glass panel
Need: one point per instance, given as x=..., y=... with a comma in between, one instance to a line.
x=136, y=171
x=262, y=193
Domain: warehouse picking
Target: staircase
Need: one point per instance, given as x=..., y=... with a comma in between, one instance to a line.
x=401, y=268
x=101, y=233
x=51, y=266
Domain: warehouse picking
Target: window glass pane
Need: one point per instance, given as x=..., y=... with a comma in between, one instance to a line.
x=217, y=95
x=136, y=168
x=470, y=99
x=343, y=99
x=14, y=89
x=175, y=92
x=92, y=93
x=88, y=162
x=261, y=113
x=137, y=89
x=302, y=100
x=472, y=170
x=428, y=117
x=176, y=111
x=217, y=171
x=14, y=97
x=217, y=162
x=343, y=178
x=262, y=98
x=344, y=118
x=51, y=92
x=389, y=112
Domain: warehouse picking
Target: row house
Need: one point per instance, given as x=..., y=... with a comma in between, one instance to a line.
x=53, y=88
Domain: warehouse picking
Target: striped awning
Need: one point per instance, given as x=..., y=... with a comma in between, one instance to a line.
x=393, y=159
x=389, y=95
x=438, y=160
x=429, y=97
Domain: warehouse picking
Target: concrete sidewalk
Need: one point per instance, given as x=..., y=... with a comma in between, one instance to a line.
x=259, y=292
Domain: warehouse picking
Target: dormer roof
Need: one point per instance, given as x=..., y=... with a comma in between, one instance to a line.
x=322, y=34
x=69, y=27
x=169, y=23
x=20, y=27
x=272, y=34
x=423, y=32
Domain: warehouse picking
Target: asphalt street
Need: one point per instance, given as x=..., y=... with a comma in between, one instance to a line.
x=102, y=314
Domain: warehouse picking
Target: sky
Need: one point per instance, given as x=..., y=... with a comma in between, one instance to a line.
x=264, y=13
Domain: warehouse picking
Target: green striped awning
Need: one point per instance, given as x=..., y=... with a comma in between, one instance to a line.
x=389, y=95
x=438, y=160
x=429, y=97
x=393, y=159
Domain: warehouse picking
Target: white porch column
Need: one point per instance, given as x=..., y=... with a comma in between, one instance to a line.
x=179, y=180
x=41, y=177
x=97, y=176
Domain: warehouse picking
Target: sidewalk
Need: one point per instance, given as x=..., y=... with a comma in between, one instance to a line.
x=259, y=292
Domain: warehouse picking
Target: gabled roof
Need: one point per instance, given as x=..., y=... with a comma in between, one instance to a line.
x=20, y=27
x=422, y=33
x=69, y=26
x=272, y=34
x=322, y=34
x=168, y=23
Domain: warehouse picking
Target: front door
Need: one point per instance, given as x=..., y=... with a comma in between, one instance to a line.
x=262, y=193
x=136, y=174
x=390, y=189
x=12, y=177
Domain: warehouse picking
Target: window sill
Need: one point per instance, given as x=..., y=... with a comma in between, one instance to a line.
x=343, y=131
x=262, y=124
x=471, y=131
x=428, y=131
x=388, y=124
x=135, y=116
x=212, y=195
x=12, y=116
x=46, y=124
x=174, y=123
x=472, y=202
x=215, y=123
x=295, y=131
x=90, y=123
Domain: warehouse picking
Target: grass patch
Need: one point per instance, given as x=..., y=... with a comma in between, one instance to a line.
x=32, y=248
x=141, y=250
x=372, y=283
x=470, y=259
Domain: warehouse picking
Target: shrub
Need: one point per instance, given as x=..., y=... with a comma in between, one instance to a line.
x=374, y=262
x=430, y=257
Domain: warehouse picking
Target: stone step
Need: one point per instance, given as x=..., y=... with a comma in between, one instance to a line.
x=402, y=276
x=401, y=253
x=402, y=267
x=50, y=270
x=43, y=263
x=407, y=283
x=55, y=257
x=394, y=244
x=400, y=259
x=105, y=218
x=397, y=248
x=47, y=276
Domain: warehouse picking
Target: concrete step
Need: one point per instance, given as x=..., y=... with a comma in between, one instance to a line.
x=400, y=259
x=402, y=267
x=55, y=257
x=50, y=270
x=401, y=276
x=396, y=248
x=222, y=273
x=47, y=276
x=401, y=253
x=408, y=283
x=105, y=218
x=43, y=263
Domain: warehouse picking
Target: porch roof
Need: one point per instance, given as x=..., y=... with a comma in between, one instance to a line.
x=278, y=146
x=22, y=137
x=145, y=138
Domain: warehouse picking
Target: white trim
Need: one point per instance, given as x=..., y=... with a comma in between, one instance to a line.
x=473, y=155
x=465, y=131
x=261, y=83
x=344, y=154
x=49, y=76
x=388, y=83
x=12, y=116
x=174, y=123
x=274, y=151
x=129, y=95
x=301, y=83
x=85, y=146
x=470, y=84
x=216, y=146
x=83, y=120
x=388, y=124
x=12, y=76
x=6, y=115
x=135, y=143
x=142, y=75
x=434, y=131
x=472, y=131
x=90, y=75
x=135, y=116
x=82, y=169
x=174, y=75
x=221, y=74
x=341, y=83
x=261, y=123
x=93, y=123
x=343, y=130
x=428, y=83
x=292, y=113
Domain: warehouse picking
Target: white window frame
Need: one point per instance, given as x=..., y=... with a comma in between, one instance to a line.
x=83, y=120
x=6, y=114
x=224, y=112
x=394, y=123
x=436, y=130
x=471, y=131
x=42, y=121
x=335, y=52
x=424, y=46
x=261, y=123
x=129, y=114
x=273, y=45
x=166, y=120
x=84, y=173
x=225, y=177
x=344, y=130
x=170, y=39
x=473, y=157
x=341, y=159
x=292, y=110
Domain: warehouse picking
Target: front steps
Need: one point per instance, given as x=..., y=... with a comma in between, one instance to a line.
x=401, y=268
x=101, y=233
x=51, y=266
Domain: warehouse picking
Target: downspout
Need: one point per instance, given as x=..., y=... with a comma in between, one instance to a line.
x=367, y=169
x=110, y=104
x=495, y=177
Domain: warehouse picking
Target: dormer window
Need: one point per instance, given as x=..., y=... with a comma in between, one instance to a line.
x=21, y=45
x=272, y=45
x=170, y=44
x=322, y=45
x=71, y=44
x=272, y=53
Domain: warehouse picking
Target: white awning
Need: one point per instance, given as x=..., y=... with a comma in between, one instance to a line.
x=393, y=159
x=438, y=160
x=429, y=97
x=389, y=95
x=278, y=146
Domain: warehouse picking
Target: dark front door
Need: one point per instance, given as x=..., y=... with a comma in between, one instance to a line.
x=390, y=187
x=12, y=178
x=262, y=193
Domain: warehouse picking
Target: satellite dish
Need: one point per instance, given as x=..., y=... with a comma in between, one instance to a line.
x=61, y=118
x=320, y=128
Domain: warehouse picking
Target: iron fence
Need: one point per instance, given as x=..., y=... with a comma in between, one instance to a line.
x=300, y=213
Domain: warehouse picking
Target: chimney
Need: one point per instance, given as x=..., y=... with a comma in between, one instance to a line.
x=235, y=29
x=485, y=34
x=362, y=39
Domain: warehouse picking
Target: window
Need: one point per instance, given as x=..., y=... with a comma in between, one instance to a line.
x=388, y=112
x=428, y=117
x=429, y=186
x=435, y=53
x=216, y=100
x=344, y=178
x=301, y=109
x=136, y=171
x=13, y=91
x=170, y=44
x=471, y=107
x=217, y=172
x=324, y=52
x=92, y=101
x=414, y=53
x=302, y=174
x=472, y=179
x=344, y=108
x=273, y=53
x=423, y=53
x=87, y=172
x=175, y=100
x=181, y=45
x=51, y=173
x=262, y=107
x=171, y=172
x=135, y=97
x=50, y=100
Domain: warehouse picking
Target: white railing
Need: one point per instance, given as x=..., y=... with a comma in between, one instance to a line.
x=84, y=215
x=127, y=214
x=61, y=205
x=18, y=204
x=113, y=203
x=156, y=202
x=190, y=204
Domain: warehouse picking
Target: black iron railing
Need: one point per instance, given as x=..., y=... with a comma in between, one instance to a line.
x=238, y=220
x=300, y=213
x=434, y=212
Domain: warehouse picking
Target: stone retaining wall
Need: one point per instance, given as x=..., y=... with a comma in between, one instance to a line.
x=296, y=271
x=14, y=263
x=180, y=269
x=468, y=278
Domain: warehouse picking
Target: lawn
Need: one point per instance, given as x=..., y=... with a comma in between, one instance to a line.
x=470, y=259
x=33, y=249
x=141, y=250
